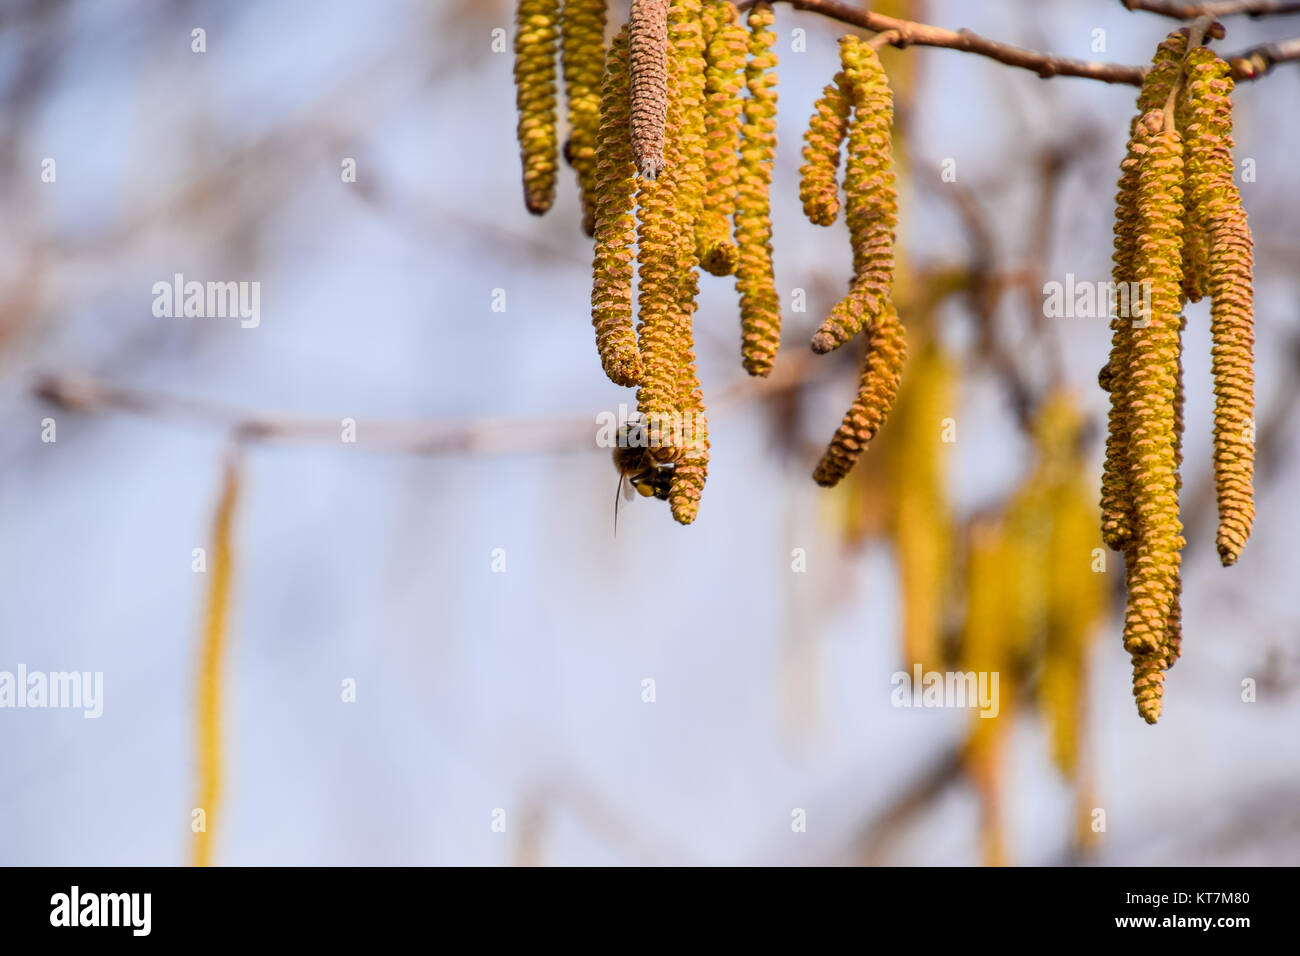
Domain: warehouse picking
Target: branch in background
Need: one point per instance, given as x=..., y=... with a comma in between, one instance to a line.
x=487, y=437
x=870, y=844
x=482, y=437
x=1183, y=10
x=1245, y=65
x=908, y=33
x=1255, y=62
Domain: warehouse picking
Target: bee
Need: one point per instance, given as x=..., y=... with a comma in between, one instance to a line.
x=637, y=471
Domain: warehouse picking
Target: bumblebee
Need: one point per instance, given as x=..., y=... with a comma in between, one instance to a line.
x=637, y=471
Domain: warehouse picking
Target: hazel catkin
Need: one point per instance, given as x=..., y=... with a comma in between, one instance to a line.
x=661, y=227
x=881, y=374
x=1152, y=400
x=648, y=46
x=724, y=78
x=615, y=226
x=819, y=189
x=582, y=59
x=1116, y=516
x=536, y=39
x=1231, y=312
x=760, y=306
x=870, y=197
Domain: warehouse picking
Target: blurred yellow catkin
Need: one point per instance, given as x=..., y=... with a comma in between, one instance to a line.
x=985, y=638
x=212, y=651
x=1075, y=588
x=921, y=516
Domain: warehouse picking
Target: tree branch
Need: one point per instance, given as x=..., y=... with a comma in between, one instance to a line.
x=1247, y=65
x=1182, y=10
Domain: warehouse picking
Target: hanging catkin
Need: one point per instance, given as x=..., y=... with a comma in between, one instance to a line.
x=760, y=306
x=693, y=464
x=688, y=73
x=648, y=46
x=212, y=652
x=984, y=642
x=1174, y=627
x=536, y=38
x=1152, y=399
x=1076, y=596
x=727, y=45
x=870, y=197
x=881, y=374
x=660, y=229
x=611, y=288
x=1229, y=284
x=921, y=514
x=582, y=56
x=819, y=189
x=1117, y=520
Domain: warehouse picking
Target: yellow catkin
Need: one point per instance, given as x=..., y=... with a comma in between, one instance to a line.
x=819, y=188
x=921, y=514
x=1076, y=593
x=537, y=37
x=686, y=36
x=661, y=228
x=1152, y=390
x=760, y=306
x=689, y=177
x=984, y=648
x=1196, y=241
x=615, y=227
x=212, y=652
x=693, y=464
x=1173, y=639
x=1116, y=516
x=881, y=374
x=582, y=56
x=648, y=45
x=1149, y=684
x=725, y=76
x=870, y=196
x=1232, y=307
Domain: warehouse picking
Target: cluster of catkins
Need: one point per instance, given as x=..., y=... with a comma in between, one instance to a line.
x=1032, y=607
x=857, y=106
x=1180, y=234
x=672, y=134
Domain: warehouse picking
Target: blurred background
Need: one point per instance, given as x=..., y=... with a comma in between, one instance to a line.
x=498, y=633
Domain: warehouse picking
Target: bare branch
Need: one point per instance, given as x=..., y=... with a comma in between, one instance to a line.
x=1255, y=62
x=1248, y=65
x=1182, y=10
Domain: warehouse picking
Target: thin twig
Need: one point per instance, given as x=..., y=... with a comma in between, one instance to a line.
x=518, y=436
x=1247, y=65
x=1182, y=10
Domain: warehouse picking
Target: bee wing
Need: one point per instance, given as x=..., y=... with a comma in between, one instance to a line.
x=626, y=488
